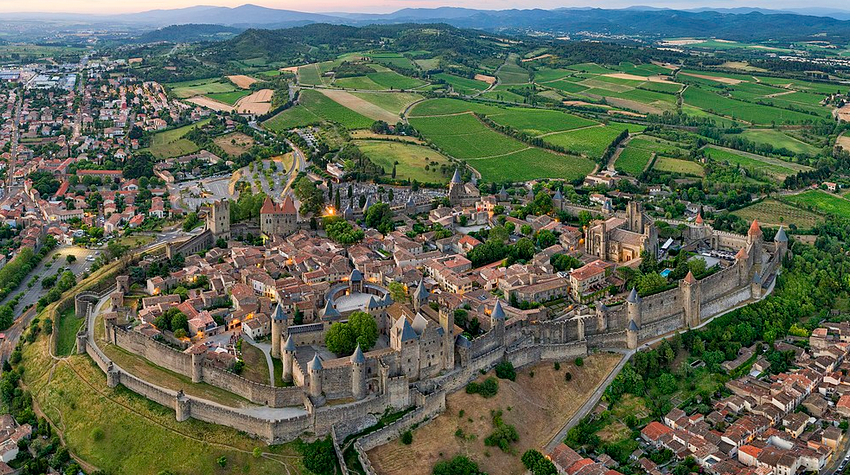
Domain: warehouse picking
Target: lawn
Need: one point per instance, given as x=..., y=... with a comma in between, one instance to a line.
x=66, y=332
x=412, y=160
x=822, y=202
x=171, y=143
x=771, y=212
x=230, y=98
x=134, y=435
x=779, y=140
x=674, y=165
x=538, y=403
x=315, y=107
x=772, y=167
x=200, y=87
x=256, y=367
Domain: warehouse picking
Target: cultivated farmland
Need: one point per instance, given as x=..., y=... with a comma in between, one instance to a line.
x=774, y=213
x=822, y=202
x=315, y=107
x=415, y=162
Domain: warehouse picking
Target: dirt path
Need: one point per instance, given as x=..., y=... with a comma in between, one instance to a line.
x=570, y=130
x=620, y=147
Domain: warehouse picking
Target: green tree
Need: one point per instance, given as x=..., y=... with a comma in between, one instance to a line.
x=397, y=292
x=343, y=338
x=459, y=465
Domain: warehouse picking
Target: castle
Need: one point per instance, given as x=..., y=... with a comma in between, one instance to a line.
x=462, y=194
x=424, y=355
x=279, y=219
x=622, y=239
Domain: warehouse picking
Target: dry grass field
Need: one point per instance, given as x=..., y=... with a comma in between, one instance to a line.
x=537, y=406
x=234, y=144
x=259, y=102
x=360, y=106
x=485, y=78
x=242, y=80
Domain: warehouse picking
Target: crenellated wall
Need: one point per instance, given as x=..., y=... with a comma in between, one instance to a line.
x=179, y=362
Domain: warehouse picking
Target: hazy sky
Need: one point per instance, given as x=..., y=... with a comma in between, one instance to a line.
x=122, y=6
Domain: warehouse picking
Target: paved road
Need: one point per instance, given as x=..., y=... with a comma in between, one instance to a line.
x=597, y=395
x=47, y=267
x=262, y=412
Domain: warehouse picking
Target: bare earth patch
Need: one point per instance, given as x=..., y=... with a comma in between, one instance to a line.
x=844, y=113
x=724, y=80
x=205, y=101
x=542, y=56
x=234, y=144
x=843, y=141
x=635, y=77
x=242, y=80
x=582, y=103
x=362, y=106
x=486, y=78
x=259, y=102
x=291, y=69
x=537, y=406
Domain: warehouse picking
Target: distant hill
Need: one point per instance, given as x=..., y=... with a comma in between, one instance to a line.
x=740, y=23
x=190, y=33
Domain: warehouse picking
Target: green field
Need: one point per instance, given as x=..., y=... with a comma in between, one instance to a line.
x=511, y=72
x=461, y=85
x=497, y=156
x=121, y=432
x=412, y=160
x=592, y=141
x=382, y=79
x=635, y=157
x=531, y=121
x=394, y=102
x=779, y=140
x=315, y=107
x=171, y=143
x=771, y=167
x=394, y=59
x=739, y=110
x=66, y=333
x=775, y=213
x=674, y=165
x=200, y=87
x=230, y=98
x=822, y=202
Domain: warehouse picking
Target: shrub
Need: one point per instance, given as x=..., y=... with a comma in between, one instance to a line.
x=557, y=366
x=221, y=461
x=505, y=370
x=568, y=376
x=407, y=437
x=487, y=389
x=97, y=434
x=319, y=457
x=503, y=434
x=460, y=465
x=579, y=361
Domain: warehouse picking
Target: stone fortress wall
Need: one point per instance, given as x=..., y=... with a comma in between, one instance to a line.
x=379, y=382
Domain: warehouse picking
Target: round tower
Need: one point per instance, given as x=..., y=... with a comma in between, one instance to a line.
x=633, y=307
x=288, y=354
x=279, y=324
x=198, y=363
x=182, y=406
x=315, y=372
x=81, y=342
x=358, y=374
